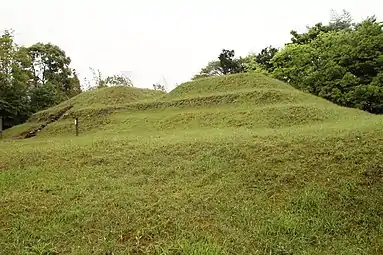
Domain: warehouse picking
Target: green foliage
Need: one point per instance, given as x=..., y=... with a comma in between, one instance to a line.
x=98, y=81
x=226, y=64
x=250, y=63
x=310, y=35
x=159, y=87
x=341, y=21
x=213, y=68
x=338, y=22
x=33, y=78
x=342, y=65
x=14, y=80
x=43, y=96
x=118, y=80
x=264, y=58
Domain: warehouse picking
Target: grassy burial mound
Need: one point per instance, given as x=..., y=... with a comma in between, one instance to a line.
x=92, y=102
x=243, y=100
x=238, y=164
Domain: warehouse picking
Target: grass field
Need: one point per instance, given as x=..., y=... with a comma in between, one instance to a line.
x=240, y=164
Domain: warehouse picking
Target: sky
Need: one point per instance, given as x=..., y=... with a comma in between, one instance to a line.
x=166, y=41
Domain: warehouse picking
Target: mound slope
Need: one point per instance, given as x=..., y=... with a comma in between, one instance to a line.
x=242, y=100
x=101, y=98
x=227, y=83
x=94, y=99
x=246, y=171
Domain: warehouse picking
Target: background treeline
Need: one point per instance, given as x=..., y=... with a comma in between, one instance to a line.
x=341, y=61
x=37, y=77
x=32, y=78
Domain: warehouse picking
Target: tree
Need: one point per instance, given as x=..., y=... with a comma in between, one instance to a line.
x=51, y=65
x=226, y=64
x=310, y=35
x=341, y=21
x=338, y=22
x=32, y=78
x=343, y=65
x=159, y=87
x=265, y=56
x=53, y=79
x=14, y=79
x=43, y=96
x=98, y=81
x=213, y=68
x=118, y=80
x=251, y=65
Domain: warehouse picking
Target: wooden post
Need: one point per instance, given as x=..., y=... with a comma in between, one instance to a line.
x=1, y=127
x=76, y=124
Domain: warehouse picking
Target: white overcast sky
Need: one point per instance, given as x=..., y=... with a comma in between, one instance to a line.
x=170, y=40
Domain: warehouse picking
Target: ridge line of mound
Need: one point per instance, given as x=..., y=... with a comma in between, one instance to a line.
x=254, y=97
x=226, y=83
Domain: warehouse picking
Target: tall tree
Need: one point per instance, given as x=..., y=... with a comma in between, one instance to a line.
x=213, y=68
x=338, y=22
x=14, y=80
x=310, y=35
x=32, y=78
x=51, y=65
x=228, y=63
x=53, y=79
x=265, y=56
x=343, y=66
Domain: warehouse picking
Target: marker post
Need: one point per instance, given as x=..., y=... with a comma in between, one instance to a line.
x=76, y=124
x=1, y=127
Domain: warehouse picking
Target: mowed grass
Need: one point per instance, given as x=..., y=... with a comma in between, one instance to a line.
x=297, y=176
x=101, y=98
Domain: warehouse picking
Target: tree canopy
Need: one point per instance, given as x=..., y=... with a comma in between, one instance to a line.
x=341, y=61
x=342, y=65
x=32, y=78
x=226, y=64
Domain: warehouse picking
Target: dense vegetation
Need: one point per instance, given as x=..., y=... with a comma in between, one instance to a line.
x=341, y=61
x=237, y=164
x=39, y=76
x=32, y=78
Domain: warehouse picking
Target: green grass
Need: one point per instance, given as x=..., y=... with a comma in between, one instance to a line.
x=212, y=85
x=101, y=98
x=253, y=170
